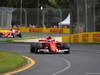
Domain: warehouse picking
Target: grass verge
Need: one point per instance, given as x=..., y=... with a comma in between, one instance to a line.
x=10, y=61
x=87, y=43
x=11, y=40
x=31, y=35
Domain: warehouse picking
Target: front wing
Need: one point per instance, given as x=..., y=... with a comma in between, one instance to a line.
x=47, y=51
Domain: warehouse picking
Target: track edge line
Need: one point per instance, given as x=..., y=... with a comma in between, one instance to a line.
x=31, y=64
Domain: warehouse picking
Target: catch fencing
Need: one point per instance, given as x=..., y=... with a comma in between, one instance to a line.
x=6, y=18
x=31, y=17
x=85, y=16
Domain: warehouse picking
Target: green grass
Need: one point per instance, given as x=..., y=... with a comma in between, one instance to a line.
x=10, y=61
x=31, y=35
x=11, y=40
x=87, y=43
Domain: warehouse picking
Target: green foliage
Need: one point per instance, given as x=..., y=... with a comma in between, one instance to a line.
x=97, y=16
x=10, y=3
x=35, y=3
x=53, y=3
x=62, y=3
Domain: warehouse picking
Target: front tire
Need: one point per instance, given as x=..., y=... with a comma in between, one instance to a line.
x=13, y=35
x=38, y=46
x=32, y=47
x=66, y=46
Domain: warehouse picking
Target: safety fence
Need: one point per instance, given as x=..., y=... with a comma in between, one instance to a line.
x=32, y=17
x=85, y=15
x=91, y=37
x=43, y=30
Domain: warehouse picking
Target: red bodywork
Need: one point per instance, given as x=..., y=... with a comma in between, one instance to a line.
x=51, y=46
x=10, y=34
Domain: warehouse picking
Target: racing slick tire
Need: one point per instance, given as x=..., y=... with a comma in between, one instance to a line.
x=66, y=46
x=32, y=47
x=20, y=35
x=49, y=48
x=38, y=46
x=1, y=34
x=13, y=35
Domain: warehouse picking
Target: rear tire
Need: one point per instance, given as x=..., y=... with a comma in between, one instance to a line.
x=38, y=46
x=20, y=35
x=1, y=34
x=32, y=47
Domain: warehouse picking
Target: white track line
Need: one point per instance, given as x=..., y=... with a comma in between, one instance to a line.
x=69, y=65
x=93, y=73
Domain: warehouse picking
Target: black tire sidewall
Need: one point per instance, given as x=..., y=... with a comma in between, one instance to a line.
x=32, y=47
x=66, y=46
x=38, y=46
x=20, y=35
x=1, y=33
x=13, y=35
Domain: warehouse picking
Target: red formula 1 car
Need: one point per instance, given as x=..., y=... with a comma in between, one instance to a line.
x=11, y=34
x=49, y=45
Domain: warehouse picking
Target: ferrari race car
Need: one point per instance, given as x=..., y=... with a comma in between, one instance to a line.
x=49, y=45
x=10, y=34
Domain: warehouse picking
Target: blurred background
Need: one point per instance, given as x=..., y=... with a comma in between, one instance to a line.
x=78, y=15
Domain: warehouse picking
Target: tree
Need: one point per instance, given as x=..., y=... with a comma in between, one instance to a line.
x=35, y=4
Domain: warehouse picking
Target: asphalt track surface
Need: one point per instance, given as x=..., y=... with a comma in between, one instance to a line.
x=43, y=35
x=83, y=60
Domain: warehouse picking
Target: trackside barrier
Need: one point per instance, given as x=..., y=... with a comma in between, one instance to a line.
x=90, y=37
x=43, y=30
x=16, y=28
x=66, y=31
x=25, y=30
x=65, y=39
x=35, y=30
x=57, y=31
x=46, y=30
